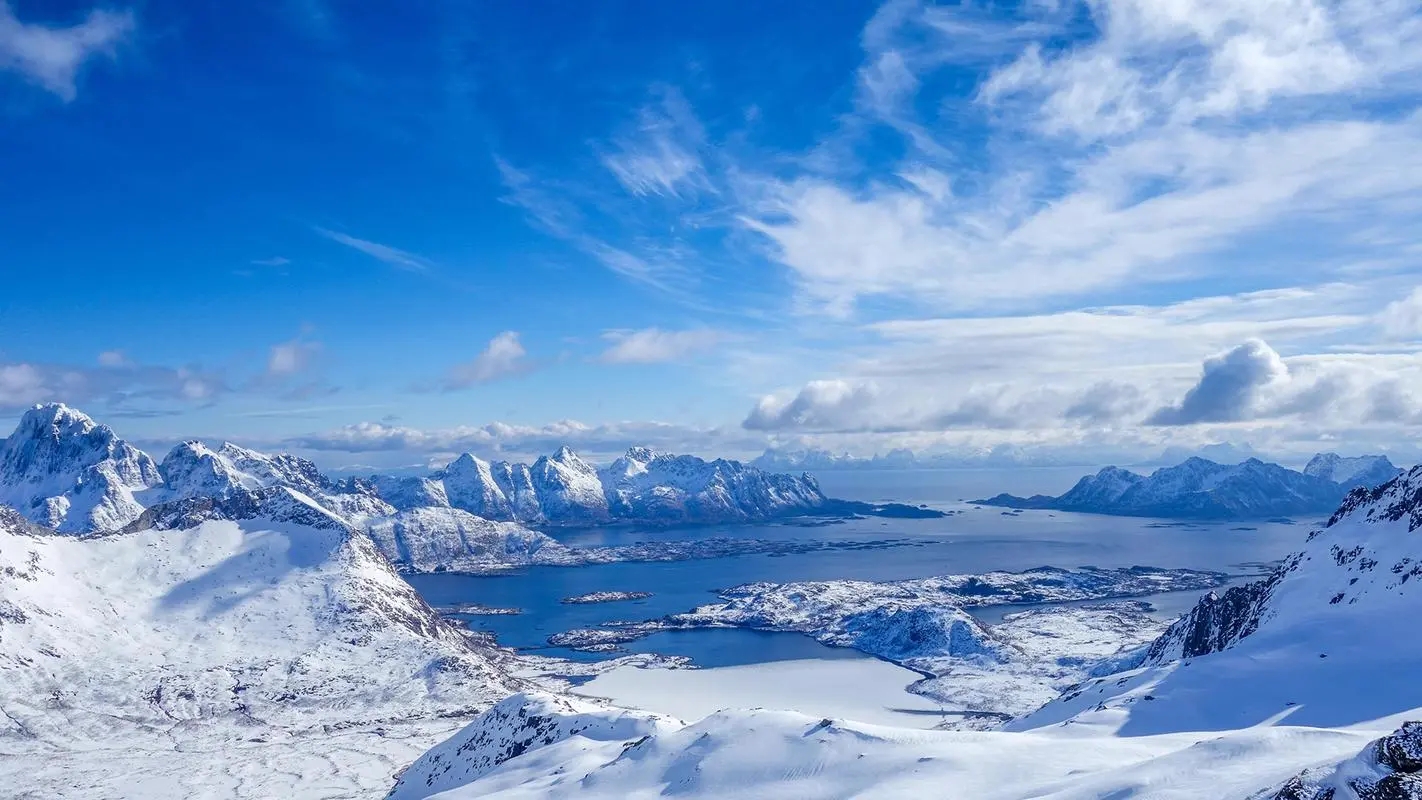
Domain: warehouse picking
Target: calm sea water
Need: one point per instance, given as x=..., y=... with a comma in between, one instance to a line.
x=977, y=540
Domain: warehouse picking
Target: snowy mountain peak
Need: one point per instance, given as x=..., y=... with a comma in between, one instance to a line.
x=58, y=416
x=193, y=469
x=65, y=471
x=641, y=454
x=1351, y=472
x=567, y=455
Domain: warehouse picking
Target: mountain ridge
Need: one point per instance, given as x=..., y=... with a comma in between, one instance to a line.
x=1201, y=489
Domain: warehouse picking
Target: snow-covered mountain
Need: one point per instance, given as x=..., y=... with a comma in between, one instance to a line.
x=1201, y=489
x=63, y=470
x=1352, y=472
x=219, y=642
x=640, y=486
x=430, y=539
x=1325, y=640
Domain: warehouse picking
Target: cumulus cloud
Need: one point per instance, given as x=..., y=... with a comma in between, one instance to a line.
x=503, y=357
x=654, y=345
x=1228, y=388
x=1402, y=319
x=827, y=404
x=498, y=439
x=291, y=358
x=119, y=385
x=52, y=56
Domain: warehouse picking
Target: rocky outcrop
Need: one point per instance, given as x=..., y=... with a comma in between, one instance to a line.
x=1387, y=769
x=518, y=725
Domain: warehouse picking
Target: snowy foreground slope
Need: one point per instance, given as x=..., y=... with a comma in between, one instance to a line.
x=1297, y=687
x=240, y=649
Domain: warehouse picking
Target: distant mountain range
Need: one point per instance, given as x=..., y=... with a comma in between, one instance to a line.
x=1202, y=489
x=63, y=470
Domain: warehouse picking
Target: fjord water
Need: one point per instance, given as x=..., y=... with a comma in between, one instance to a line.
x=973, y=540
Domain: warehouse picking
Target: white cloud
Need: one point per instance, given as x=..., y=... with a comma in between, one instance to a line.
x=1229, y=386
x=1228, y=122
x=52, y=56
x=21, y=385
x=654, y=345
x=822, y=404
x=122, y=386
x=503, y=357
x=291, y=358
x=503, y=440
x=113, y=358
x=393, y=256
x=658, y=156
x=1402, y=319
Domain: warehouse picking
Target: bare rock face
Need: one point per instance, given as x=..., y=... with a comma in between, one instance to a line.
x=1388, y=769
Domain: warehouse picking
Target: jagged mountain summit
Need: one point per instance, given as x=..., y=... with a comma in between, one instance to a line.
x=222, y=641
x=1201, y=489
x=641, y=486
x=63, y=470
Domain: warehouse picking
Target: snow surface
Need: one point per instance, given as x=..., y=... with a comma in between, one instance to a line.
x=778, y=755
x=231, y=657
x=995, y=671
x=863, y=689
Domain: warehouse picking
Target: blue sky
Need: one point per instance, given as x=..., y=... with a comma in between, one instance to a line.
x=388, y=232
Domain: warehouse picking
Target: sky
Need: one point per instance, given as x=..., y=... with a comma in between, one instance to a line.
x=384, y=233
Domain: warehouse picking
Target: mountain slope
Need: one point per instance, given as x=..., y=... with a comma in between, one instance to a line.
x=1325, y=640
x=63, y=470
x=1200, y=489
x=212, y=625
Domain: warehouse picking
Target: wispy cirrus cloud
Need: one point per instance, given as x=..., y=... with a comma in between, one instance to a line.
x=658, y=154
x=657, y=346
x=51, y=56
x=395, y=257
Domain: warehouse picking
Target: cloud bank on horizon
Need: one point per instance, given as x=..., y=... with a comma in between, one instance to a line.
x=1091, y=227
